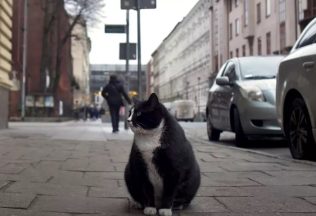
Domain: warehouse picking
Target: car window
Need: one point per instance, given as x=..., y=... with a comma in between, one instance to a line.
x=230, y=72
x=259, y=68
x=308, y=38
x=222, y=69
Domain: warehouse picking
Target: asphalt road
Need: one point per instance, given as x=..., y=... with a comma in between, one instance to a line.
x=274, y=147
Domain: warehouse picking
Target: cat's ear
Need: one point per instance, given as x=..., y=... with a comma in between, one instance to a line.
x=153, y=100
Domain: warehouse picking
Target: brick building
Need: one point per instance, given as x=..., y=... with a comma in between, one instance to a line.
x=47, y=24
x=5, y=59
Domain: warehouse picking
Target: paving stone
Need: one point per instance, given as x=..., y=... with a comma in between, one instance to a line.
x=13, y=200
x=12, y=168
x=109, y=191
x=47, y=189
x=287, y=178
x=105, y=175
x=222, y=191
x=251, y=166
x=210, y=167
x=205, y=204
x=19, y=212
x=311, y=199
x=230, y=179
x=79, y=205
x=266, y=204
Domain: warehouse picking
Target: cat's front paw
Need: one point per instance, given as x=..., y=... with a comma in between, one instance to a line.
x=150, y=211
x=165, y=212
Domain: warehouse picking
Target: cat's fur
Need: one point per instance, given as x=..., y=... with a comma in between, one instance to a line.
x=162, y=172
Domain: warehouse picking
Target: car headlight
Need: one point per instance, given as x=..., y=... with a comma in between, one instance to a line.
x=253, y=93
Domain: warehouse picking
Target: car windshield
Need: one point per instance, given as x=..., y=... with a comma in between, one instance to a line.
x=259, y=68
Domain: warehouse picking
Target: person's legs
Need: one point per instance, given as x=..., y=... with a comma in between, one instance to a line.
x=117, y=118
x=113, y=117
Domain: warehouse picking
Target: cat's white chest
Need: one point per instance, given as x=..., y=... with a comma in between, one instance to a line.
x=147, y=145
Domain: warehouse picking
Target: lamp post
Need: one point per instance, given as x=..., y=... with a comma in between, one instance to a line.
x=23, y=92
x=138, y=5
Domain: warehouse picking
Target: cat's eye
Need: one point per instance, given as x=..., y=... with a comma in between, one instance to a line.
x=138, y=114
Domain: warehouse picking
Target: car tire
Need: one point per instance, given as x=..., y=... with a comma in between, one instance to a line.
x=212, y=133
x=298, y=131
x=241, y=139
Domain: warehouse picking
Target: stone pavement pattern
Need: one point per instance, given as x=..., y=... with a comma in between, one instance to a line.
x=76, y=169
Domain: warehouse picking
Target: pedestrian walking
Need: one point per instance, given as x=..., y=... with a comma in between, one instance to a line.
x=113, y=93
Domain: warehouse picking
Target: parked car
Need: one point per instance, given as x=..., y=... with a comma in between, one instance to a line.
x=242, y=99
x=183, y=110
x=296, y=100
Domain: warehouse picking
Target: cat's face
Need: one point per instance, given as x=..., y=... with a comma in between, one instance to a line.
x=146, y=116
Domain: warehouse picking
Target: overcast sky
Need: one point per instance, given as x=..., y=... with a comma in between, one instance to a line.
x=156, y=24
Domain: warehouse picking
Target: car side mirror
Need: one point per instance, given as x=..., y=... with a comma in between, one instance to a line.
x=223, y=81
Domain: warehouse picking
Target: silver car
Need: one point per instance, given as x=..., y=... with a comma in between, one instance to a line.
x=296, y=100
x=242, y=99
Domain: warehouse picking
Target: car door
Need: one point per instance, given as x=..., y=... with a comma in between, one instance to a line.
x=215, y=101
x=305, y=68
x=228, y=93
x=223, y=97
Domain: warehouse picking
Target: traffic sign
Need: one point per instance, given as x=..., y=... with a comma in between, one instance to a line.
x=131, y=51
x=119, y=29
x=132, y=4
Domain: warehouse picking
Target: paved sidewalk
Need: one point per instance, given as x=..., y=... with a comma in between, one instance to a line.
x=76, y=169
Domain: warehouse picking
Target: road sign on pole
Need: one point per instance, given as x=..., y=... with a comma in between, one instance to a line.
x=118, y=29
x=131, y=51
x=143, y=4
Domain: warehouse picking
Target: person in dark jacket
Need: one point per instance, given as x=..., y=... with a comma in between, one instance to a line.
x=113, y=93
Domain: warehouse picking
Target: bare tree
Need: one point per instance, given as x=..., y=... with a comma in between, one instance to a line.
x=89, y=11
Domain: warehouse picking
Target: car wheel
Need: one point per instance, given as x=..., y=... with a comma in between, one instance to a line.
x=213, y=134
x=298, y=130
x=241, y=139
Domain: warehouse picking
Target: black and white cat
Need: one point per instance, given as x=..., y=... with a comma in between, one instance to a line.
x=162, y=172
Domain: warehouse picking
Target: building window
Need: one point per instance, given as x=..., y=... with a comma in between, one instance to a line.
x=251, y=49
x=230, y=5
x=282, y=4
x=282, y=38
x=243, y=50
x=231, y=54
x=237, y=52
x=268, y=8
x=246, y=12
x=258, y=12
x=230, y=31
x=259, y=46
x=237, y=27
x=268, y=38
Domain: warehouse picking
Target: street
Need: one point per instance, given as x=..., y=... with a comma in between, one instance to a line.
x=274, y=147
x=76, y=168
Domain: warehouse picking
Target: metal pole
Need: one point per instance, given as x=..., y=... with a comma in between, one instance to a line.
x=127, y=50
x=139, y=52
x=127, y=66
x=24, y=61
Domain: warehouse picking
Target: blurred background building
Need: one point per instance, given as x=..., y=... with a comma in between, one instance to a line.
x=181, y=64
x=57, y=59
x=80, y=49
x=5, y=60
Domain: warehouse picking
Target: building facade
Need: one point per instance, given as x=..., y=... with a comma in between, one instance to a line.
x=100, y=76
x=48, y=74
x=181, y=64
x=6, y=13
x=80, y=49
x=255, y=27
